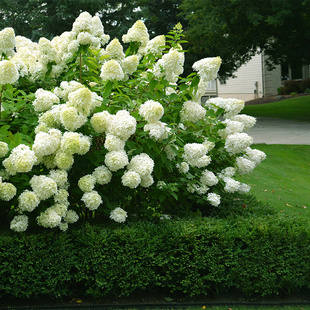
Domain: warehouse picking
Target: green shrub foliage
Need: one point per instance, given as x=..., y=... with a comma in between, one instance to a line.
x=254, y=255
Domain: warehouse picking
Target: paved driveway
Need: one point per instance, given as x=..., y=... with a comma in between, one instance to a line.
x=277, y=131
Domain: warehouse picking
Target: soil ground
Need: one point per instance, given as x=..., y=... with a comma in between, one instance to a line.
x=155, y=300
x=269, y=99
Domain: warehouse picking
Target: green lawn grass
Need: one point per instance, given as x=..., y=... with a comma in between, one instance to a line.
x=291, y=109
x=283, y=179
x=234, y=307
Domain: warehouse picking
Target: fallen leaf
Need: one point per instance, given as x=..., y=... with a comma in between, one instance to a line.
x=79, y=301
x=168, y=299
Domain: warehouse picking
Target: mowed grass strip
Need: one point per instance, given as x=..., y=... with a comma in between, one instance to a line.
x=232, y=306
x=291, y=109
x=283, y=179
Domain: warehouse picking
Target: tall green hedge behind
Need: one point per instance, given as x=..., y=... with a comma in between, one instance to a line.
x=205, y=256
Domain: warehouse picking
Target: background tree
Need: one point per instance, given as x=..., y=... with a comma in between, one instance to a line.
x=236, y=29
x=48, y=18
x=161, y=15
x=232, y=29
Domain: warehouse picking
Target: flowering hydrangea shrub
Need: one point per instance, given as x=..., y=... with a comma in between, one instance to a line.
x=113, y=132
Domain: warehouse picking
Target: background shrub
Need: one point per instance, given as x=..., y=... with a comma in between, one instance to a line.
x=305, y=84
x=257, y=255
x=290, y=87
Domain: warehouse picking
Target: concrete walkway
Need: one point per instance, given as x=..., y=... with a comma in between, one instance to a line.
x=278, y=131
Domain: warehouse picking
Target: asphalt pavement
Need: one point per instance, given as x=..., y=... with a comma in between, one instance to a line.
x=279, y=131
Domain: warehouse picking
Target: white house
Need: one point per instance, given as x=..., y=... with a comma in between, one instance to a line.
x=253, y=80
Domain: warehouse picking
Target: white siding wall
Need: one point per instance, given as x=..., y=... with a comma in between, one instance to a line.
x=272, y=81
x=243, y=86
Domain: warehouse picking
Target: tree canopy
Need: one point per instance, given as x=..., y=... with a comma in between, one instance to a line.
x=236, y=29
x=48, y=18
x=232, y=29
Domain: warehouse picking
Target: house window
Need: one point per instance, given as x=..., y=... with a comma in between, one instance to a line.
x=296, y=72
x=285, y=72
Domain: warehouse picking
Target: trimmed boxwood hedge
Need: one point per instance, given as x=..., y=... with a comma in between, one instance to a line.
x=255, y=255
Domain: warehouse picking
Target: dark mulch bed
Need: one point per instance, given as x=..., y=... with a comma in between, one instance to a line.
x=269, y=99
x=155, y=300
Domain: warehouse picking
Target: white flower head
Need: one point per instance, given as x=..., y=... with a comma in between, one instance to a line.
x=59, y=176
x=81, y=99
x=21, y=159
x=231, y=106
x=61, y=197
x=46, y=144
x=151, y=111
x=19, y=223
x=255, y=155
x=122, y=125
x=157, y=130
x=247, y=121
x=170, y=66
x=137, y=33
x=147, y=181
x=116, y=160
x=207, y=68
x=92, y=200
x=131, y=179
x=195, y=155
x=4, y=148
x=214, y=199
x=102, y=175
x=43, y=186
x=208, y=178
x=231, y=128
x=71, y=216
x=115, y=50
x=49, y=218
x=237, y=142
x=71, y=119
x=28, y=201
x=114, y=143
x=231, y=185
x=87, y=183
x=75, y=143
x=7, y=41
x=244, y=165
x=192, y=112
x=63, y=160
x=7, y=191
x=83, y=23
x=84, y=38
x=100, y=121
x=44, y=100
x=183, y=167
x=8, y=72
x=112, y=71
x=143, y=164
x=130, y=64
x=155, y=46
x=118, y=215
x=244, y=188
x=227, y=172
x=47, y=52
